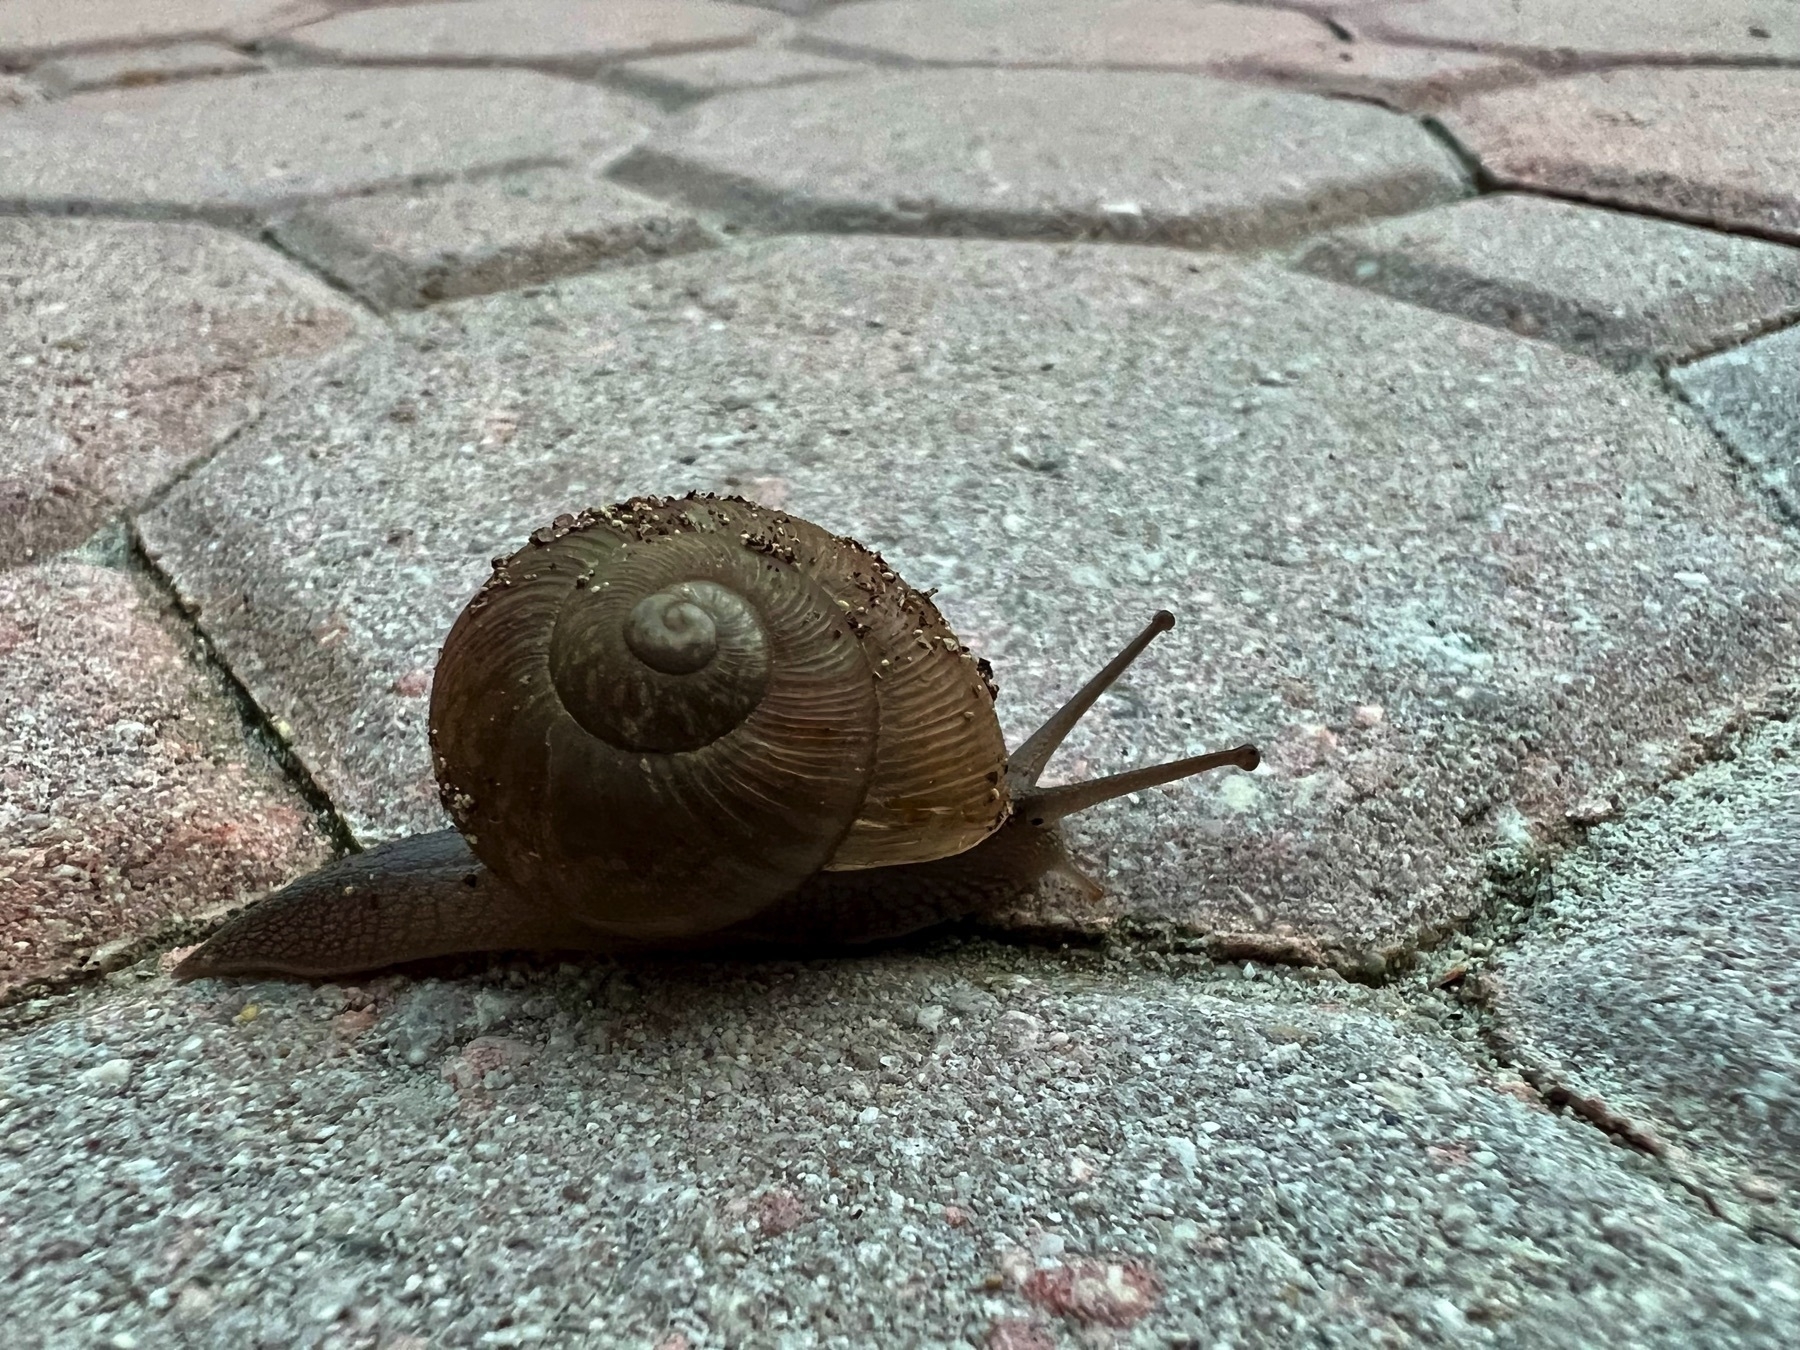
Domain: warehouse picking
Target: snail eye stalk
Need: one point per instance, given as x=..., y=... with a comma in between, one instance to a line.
x=1043, y=805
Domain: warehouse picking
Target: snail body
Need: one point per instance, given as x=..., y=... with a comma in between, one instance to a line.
x=696, y=723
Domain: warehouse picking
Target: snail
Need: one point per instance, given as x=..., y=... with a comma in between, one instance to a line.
x=697, y=722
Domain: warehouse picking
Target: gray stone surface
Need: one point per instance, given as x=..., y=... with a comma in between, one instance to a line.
x=701, y=74
x=34, y=27
x=1624, y=288
x=82, y=71
x=127, y=793
x=1657, y=976
x=567, y=34
x=404, y=249
x=1129, y=33
x=1034, y=153
x=1456, y=584
x=1751, y=396
x=233, y=147
x=128, y=351
x=1614, y=30
x=915, y=1151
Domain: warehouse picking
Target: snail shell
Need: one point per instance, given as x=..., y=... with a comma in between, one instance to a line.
x=664, y=716
x=697, y=722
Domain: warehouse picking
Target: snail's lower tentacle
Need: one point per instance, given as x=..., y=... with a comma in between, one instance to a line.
x=409, y=900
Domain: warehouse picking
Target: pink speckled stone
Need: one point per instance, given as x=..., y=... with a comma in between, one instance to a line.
x=129, y=351
x=1713, y=146
x=127, y=792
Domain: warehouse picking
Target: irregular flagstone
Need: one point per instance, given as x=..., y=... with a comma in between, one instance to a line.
x=700, y=74
x=903, y=1152
x=127, y=795
x=127, y=351
x=1712, y=146
x=1657, y=976
x=156, y=65
x=1415, y=79
x=1456, y=584
x=1134, y=33
x=404, y=249
x=562, y=33
x=1624, y=288
x=1617, y=30
x=1751, y=396
x=235, y=146
x=1206, y=162
x=33, y=27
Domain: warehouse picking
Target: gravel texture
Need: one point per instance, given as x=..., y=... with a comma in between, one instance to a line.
x=1038, y=153
x=1624, y=288
x=917, y=1150
x=128, y=351
x=235, y=147
x=404, y=249
x=1549, y=583
x=1751, y=396
x=127, y=794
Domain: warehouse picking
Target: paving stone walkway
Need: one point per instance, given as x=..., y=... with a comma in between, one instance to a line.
x=1437, y=361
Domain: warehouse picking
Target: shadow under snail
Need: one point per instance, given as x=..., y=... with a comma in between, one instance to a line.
x=697, y=723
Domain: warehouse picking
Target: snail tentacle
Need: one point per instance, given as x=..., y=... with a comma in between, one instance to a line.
x=1044, y=806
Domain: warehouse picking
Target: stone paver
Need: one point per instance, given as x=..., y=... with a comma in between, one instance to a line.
x=126, y=792
x=236, y=146
x=156, y=65
x=1623, y=288
x=1416, y=79
x=561, y=33
x=1614, y=30
x=1133, y=33
x=127, y=351
x=994, y=1149
x=404, y=249
x=1657, y=977
x=1751, y=396
x=701, y=74
x=1039, y=153
x=1458, y=525
x=34, y=27
x=1711, y=146
x=1398, y=542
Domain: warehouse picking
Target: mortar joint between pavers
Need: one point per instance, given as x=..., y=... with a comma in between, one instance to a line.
x=1557, y=62
x=1750, y=479
x=267, y=236
x=259, y=726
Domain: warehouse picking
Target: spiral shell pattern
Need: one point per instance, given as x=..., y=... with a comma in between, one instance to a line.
x=665, y=716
